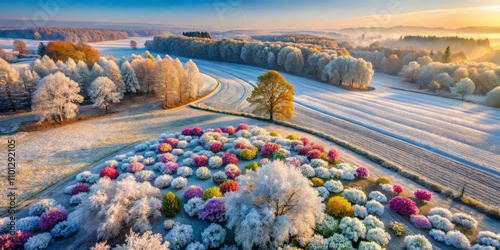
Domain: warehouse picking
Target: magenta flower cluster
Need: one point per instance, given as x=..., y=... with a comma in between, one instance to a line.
x=314, y=154
x=421, y=221
x=362, y=172
x=171, y=166
x=229, y=158
x=15, y=241
x=269, y=149
x=242, y=126
x=167, y=157
x=193, y=191
x=50, y=218
x=403, y=205
x=333, y=155
x=135, y=167
x=293, y=161
x=192, y=131
x=109, y=172
x=200, y=160
x=216, y=146
x=318, y=147
x=423, y=195
x=80, y=188
x=172, y=142
x=213, y=210
x=305, y=141
x=229, y=129
x=232, y=172
x=304, y=150
x=397, y=189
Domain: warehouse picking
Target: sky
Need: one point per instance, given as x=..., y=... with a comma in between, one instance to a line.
x=259, y=14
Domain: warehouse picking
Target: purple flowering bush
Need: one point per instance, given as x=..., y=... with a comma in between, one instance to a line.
x=232, y=171
x=242, y=126
x=193, y=191
x=420, y=221
x=50, y=218
x=213, y=210
x=135, y=167
x=229, y=158
x=423, y=195
x=333, y=156
x=16, y=242
x=80, y=188
x=200, y=160
x=229, y=130
x=362, y=172
x=168, y=157
x=170, y=167
x=196, y=131
x=269, y=149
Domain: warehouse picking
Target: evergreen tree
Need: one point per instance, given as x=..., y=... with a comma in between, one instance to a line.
x=129, y=78
x=447, y=55
x=113, y=73
x=41, y=49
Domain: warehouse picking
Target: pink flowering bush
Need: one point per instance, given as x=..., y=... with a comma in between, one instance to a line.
x=423, y=195
x=318, y=147
x=14, y=242
x=403, y=205
x=193, y=191
x=213, y=210
x=242, y=126
x=229, y=158
x=239, y=145
x=232, y=171
x=172, y=142
x=269, y=149
x=305, y=141
x=196, y=131
x=135, y=167
x=362, y=172
x=333, y=156
x=186, y=131
x=80, y=188
x=168, y=157
x=50, y=218
x=109, y=172
x=397, y=189
x=200, y=160
x=314, y=154
x=171, y=167
x=164, y=148
x=304, y=150
x=216, y=146
x=420, y=221
x=229, y=129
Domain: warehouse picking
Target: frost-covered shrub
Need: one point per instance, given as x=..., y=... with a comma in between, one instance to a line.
x=149, y=161
x=322, y=172
x=443, y=212
x=386, y=187
x=403, y=205
x=203, y=173
x=212, y=192
x=348, y=174
x=333, y=155
x=169, y=224
x=258, y=144
x=67, y=190
x=195, y=246
x=481, y=247
x=327, y=226
x=352, y=228
x=464, y=220
x=135, y=167
x=219, y=177
x=229, y=186
x=163, y=181
x=147, y=240
x=185, y=172
x=307, y=170
x=269, y=149
x=177, y=151
x=423, y=195
x=457, y=239
x=420, y=221
x=87, y=176
x=438, y=235
x=397, y=189
x=360, y=211
x=183, y=143
x=339, y=206
x=371, y=221
x=109, y=172
x=169, y=168
x=78, y=198
x=193, y=206
x=369, y=245
x=213, y=210
x=362, y=172
x=317, y=242
x=374, y=207
x=339, y=242
x=159, y=166
x=384, y=180
x=441, y=223
x=200, y=160
x=79, y=188
x=112, y=163
x=171, y=204
x=30, y=223
x=216, y=146
x=213, y=236
x=488, y=238
x=140, y=147
x=168, y=157
x=417, y=242
x=318, y=163
x=244, y=134
x=42, y=206
x=334, y=186
x=39, y=241
x=145, y=175
x=164, y=148
x=378, y=196
x=64, y=229
x=323, y=193
x=193, y=191
x=378, y=235
x=50, y=218
x=232, y=171
x=215, y=162
x=179, y=183
x=293, y=161
x=355, y=195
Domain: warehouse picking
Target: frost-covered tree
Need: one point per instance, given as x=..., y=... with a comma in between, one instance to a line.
x=444, y=79
x=20, y=46
x=9, y=85
x=273, y=205
x=489, y=80
x=71, y=71
x=57, y=97
x=113, y=73
x=97, y=71
x=363, y=73
x=493, y=98
x=290, y=58
x=103, y=92
x=44, y=66
x=460, y=73
x=409, y=72
x=391, y=65
x=144, y=70
x=183, y=88
x=167, y=82
x=464, y=87
x=129, y=78
x=339, y=70
x=147, y=240
x=28, y=79
x=194, y=80
x=85, y=77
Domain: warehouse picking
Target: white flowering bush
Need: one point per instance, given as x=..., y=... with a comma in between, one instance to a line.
x=348, y=175
x=185, y=172
x=464, y=220
x=318, y=163
x=322, y=172
x=215, y=162
x=488, y=238
x=169, y=224
x=179, y=182
x=219, y=177
x=374, y=207
x=180, y=236
x=417, y=242
x=145, y=175
x=188, y=161
x=147, y=240
x=29, y=223
x=213, y=236
x=386, y=187
x=335, y=173
x=149, y=161
x=438, y=235
x=67, y=190
x=42, y=206
x=352, y=228
x=193, y=206
x=195, y=246
x=78, y=198
x=187, y=154
x=150, y=154
x=360, y=211
x=307, y=170
x=323, y=192
x=457, y=239
x=39, y=241
x=87, y=176
x=443, y=212
x=481, y=247
x=163, y=181
x=327, y=226
x=339, y=242
x=203, y=173
x=120, y=157
x=125, y=176
x=441, y=223
x=183, y=144
x=378, y=235
x=258, y=143
x=244, y=134
x=177, y=151
x=371, y=221
x=355, y=195
x=64, y=229
x=368, y=245
x=378, y=196
x=111, y=163
x=317, y=242
x=334, y=186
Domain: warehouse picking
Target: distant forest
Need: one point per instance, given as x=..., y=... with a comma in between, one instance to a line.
x=75, y=35
x=198, y=34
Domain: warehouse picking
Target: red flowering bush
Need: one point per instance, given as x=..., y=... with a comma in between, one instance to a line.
x=423, y=195
x=172, y=142
x=229, y=186
x=242, y=126
x=167, y=157
x=196, y=131
x=109, y=172
x=232, y=171
x=193, y=191
x=229, y=129
x=318, y=147
x=362, y=172
x=50, y=218
x=164, y=148
x=80, y=188
x=397, y=189
x=333, y=156
x=304, y=150
x=269, y=149
x=135, y=167
x=314, y=154
x=186, y=131
x=229, y=158
x=216, y=146
x=239, y=145
x=213, y=210
x=216, y=130
x=14, y=242
x=305, y=141
x=403, y=205
x=200, y=160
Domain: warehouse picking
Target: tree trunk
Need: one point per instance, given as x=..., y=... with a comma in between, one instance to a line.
x=271, y=117
x=106, y=109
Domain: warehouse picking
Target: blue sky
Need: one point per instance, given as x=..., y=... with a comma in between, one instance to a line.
x=262, y=14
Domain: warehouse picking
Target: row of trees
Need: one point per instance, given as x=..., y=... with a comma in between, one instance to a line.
x=198, y=34
x=301, y=59
x=62, y=51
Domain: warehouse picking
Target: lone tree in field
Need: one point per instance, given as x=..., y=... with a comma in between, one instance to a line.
x=464, y=87
x=133, y=44
x=20, y=45
x=103, y=92
x=273, y=95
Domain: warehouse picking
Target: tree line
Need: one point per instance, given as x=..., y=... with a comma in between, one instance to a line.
x=198, y=34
